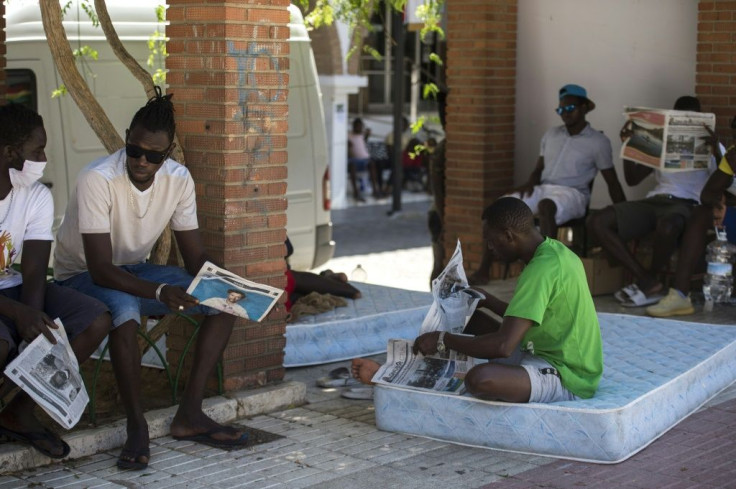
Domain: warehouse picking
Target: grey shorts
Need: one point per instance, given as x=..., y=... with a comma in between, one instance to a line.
x=545, y=380
x=76, y=311
x=638, y=218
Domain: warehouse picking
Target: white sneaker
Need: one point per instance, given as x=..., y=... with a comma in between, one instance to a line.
x=673, y=304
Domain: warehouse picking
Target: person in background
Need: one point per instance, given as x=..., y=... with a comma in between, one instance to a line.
x=717, y=202
x=359, y=160
x=665, y=210
x=570, y=157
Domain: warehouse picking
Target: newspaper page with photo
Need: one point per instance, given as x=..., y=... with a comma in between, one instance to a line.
x=668, y=140
x=454, y=302
x=50, y=375
x=221, y=289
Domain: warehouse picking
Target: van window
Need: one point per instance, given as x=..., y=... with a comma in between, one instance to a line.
x=22, y=88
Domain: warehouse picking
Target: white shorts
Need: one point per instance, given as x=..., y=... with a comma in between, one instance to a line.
x=545, y=380
x=571, y=203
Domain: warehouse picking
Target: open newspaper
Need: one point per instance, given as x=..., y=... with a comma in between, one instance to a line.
x=50, y=375
x=452, y=306
x=453, y=302
x=668, y=140
x=220, y=289
x=438, y=372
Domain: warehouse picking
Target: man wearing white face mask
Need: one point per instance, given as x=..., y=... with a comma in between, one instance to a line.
x=28, y=304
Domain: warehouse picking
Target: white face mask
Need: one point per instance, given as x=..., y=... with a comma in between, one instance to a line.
x=32, y=171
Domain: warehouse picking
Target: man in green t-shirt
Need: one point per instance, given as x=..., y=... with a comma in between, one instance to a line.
x=548, y=346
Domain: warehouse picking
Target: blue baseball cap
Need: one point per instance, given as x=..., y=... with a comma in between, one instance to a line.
x=577, y=91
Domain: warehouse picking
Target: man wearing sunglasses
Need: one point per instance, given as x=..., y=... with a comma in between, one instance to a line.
x=570, y=157
x=119, y=208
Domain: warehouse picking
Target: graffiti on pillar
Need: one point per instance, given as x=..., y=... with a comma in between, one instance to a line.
x=256, y=111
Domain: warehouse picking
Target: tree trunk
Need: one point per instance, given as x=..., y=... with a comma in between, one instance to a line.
x=61, y=51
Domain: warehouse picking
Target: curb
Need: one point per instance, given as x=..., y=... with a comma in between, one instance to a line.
x=235, y=405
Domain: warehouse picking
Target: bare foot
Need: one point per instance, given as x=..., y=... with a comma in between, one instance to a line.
x=183, y=426
x=364, y=369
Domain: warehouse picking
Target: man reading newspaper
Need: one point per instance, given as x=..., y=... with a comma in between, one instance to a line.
x=548, y=347
x=120, y=206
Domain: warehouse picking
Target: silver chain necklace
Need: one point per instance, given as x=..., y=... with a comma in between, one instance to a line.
x=132, y=201
x=10, y=204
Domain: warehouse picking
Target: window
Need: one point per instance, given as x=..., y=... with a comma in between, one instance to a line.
x=22, y=88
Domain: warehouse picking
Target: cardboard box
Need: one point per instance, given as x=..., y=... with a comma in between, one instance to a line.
x=603, y=278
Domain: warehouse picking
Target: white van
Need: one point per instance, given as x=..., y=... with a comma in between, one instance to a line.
x=31, y=78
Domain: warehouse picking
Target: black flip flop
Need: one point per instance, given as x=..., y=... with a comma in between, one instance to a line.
x=206, y=439
x=33, y=438
x=130, y=459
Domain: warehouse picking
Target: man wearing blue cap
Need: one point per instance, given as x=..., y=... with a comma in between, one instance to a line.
x=570, y=157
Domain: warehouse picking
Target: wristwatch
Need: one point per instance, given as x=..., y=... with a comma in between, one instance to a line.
x=441, y=343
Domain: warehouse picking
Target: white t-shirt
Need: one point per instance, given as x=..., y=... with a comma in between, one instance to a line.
x=682, y=184
x=105, y=201
x=30, y=217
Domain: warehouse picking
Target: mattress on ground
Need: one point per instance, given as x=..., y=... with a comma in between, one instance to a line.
x=656, y=372
x=362, y=328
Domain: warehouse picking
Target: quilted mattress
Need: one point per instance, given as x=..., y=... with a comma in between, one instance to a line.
x=360, y=329
x=656, y=373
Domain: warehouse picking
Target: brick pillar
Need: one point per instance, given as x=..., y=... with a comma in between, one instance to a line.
x=715, y=78
x=228, y=70
x=481, y=76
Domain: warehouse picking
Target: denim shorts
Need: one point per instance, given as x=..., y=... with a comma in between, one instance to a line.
x=76, y=312
x=360, y=164
x=126, y=307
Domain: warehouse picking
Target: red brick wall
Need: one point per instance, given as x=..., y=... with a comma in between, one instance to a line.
x=481, y=76
x=715, y=79
x=229, y=72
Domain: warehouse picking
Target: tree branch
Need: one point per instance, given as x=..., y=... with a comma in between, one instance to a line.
x=130, y=62
x=76, y=86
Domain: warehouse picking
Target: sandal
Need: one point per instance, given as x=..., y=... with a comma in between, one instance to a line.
x=361, y=393
x=637, y=298
x=33, y=439
x=339, y=377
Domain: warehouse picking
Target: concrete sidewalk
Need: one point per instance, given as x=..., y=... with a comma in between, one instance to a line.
x=332, y=442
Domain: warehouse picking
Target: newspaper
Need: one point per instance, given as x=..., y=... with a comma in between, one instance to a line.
x=668, y=140
x=220, y=289
x=438, y=372
x=50, y=375
x=452, y=306
x=453, y=302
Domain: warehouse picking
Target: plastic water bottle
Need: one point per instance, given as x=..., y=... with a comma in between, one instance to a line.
x=359, y=274
x=718, y=283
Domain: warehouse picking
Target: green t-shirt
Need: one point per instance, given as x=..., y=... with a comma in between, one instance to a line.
x=552, y=291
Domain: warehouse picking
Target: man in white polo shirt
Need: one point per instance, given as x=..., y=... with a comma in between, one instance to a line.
x=570, y=157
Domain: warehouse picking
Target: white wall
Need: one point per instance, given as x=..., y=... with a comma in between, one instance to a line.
x=624, y=52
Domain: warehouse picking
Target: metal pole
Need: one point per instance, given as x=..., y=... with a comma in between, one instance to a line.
x=399, y=33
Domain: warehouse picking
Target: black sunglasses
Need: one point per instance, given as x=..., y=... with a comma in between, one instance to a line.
x=154, y=157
